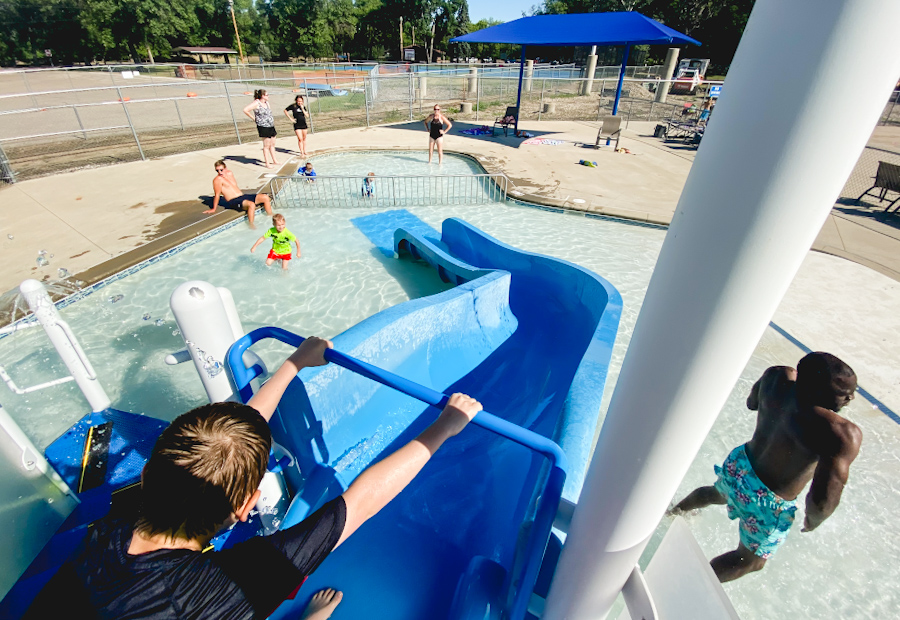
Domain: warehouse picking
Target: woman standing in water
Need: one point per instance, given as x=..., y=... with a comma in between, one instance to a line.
x=435, y=126
x=260, y=112
x=298, y=113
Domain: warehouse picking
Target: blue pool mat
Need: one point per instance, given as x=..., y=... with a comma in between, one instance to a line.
x=380, y=227
x=133, y=438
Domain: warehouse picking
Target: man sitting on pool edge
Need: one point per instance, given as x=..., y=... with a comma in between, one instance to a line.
x=225, y=185
x=203, y=474
x=799, y=437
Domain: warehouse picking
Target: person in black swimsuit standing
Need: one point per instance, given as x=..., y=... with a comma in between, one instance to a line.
x=297, y=112
x=435, y=125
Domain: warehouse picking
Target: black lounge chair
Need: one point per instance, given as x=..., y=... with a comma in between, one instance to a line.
x=506, y=121
x=887, y=179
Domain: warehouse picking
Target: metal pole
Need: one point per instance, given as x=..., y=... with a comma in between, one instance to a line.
x=621, y=78
x=541, y=109
x=519, y=95
x=178, y=111
x=737, y=261
x=477, y=97
x=80, y=124
x=410, y=95
x=312, y=127
x=366, y=92
x=130, y=124
x=237, y=131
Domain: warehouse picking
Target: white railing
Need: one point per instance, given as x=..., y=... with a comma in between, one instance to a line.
x=390, y=191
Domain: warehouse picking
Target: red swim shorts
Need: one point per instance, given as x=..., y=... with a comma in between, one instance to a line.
x=274, y=256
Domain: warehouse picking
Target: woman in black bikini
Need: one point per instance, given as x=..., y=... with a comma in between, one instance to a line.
x=435, y=126
x=260, y=112
x=297, y=113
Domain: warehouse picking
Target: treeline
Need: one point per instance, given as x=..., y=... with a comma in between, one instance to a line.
x=88, y=31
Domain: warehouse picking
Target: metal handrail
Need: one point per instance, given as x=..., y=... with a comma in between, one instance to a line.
x=549, y=499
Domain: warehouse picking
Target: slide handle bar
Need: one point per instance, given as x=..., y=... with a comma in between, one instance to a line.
x=547, y=505
x=242, y=377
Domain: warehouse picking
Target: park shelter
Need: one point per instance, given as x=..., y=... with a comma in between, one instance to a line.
x=202, y=54
x=611, y=29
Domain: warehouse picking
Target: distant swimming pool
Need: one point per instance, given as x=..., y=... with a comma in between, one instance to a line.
x=342, y=279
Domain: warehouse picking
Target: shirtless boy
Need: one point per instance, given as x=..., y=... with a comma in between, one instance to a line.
x=799, y=437
x=226, y=186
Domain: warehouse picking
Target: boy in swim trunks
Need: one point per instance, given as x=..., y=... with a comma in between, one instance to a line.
x=228, y=194
x=281, y=242
x=799, y=437
x=368, y=186
x=203, y=475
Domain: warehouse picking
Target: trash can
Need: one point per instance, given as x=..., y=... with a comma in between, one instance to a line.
x=660, y=131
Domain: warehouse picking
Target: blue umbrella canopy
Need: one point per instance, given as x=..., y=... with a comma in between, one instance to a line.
x=627, y=28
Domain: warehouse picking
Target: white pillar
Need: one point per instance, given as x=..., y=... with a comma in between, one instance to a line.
x=588, y=83
x=473, y=80
x=65, y=343
x=529, y=72
x=764, y=180
x=668, y=72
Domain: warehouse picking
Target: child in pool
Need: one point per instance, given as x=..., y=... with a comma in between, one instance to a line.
x=368, y=186
x=307, y=171
x=281, y=242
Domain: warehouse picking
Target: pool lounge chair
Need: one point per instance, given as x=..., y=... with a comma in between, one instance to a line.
x=512, y=112
x=887, y=179
x=611, y=128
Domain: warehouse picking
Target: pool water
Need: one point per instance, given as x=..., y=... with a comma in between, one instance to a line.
x=846, y=568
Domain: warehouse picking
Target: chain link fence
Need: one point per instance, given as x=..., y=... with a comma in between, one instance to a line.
x=118, y=114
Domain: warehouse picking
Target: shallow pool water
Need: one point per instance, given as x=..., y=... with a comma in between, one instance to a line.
x=846, y=568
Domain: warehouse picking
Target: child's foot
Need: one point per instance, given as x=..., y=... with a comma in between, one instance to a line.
x=322, y=605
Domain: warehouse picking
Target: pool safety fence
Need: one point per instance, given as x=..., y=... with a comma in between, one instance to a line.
x=389, y=191
x=112, y=119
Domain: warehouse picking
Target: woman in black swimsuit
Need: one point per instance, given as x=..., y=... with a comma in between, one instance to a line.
x=435, y=126
x=297, y=112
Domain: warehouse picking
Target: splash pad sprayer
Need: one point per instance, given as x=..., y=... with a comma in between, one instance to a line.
x=66, y=345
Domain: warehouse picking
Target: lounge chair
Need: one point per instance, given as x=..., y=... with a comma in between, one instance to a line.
x=887, y=179
x=512, y=112
x=611, y=128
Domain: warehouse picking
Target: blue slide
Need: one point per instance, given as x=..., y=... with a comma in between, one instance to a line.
x=530, y=337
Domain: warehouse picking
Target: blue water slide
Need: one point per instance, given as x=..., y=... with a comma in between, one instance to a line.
x=530, y=337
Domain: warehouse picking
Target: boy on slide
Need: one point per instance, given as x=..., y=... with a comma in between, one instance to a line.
x=281, y=242
x=203, y=475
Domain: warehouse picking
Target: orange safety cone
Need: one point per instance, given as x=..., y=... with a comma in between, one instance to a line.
x=125, y=99
x=192, y=94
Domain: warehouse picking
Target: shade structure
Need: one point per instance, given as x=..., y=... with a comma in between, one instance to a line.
x=626, y=28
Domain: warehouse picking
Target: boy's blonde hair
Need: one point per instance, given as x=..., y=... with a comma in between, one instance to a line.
x=203, y=468
x=277, y=218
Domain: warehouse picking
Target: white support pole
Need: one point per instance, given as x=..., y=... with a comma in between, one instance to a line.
x=206, y=328
x=64, y=342
x=662, y=91
x=764, y=180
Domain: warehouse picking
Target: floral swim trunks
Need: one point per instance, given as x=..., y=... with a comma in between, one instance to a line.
x=765, y=518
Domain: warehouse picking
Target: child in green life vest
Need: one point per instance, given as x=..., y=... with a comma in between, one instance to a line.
x=281, y=242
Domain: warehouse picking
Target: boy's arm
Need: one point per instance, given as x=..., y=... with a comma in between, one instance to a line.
x=297, y=243
x=310, y=353
x=217, y=191
x=258, y=241
x=375, y=487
